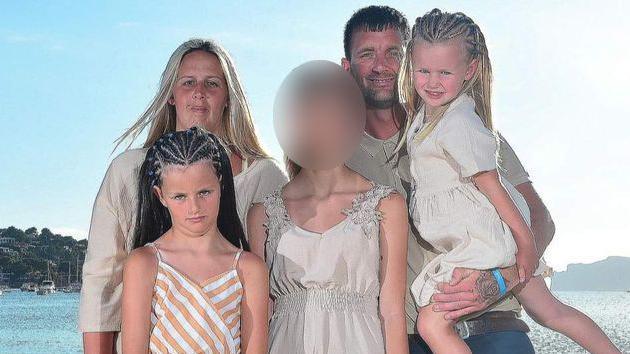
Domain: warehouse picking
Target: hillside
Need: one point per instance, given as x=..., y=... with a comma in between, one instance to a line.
x=24, y=256
x=610, y=274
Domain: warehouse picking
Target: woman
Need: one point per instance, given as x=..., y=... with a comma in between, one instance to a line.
x=199, y=87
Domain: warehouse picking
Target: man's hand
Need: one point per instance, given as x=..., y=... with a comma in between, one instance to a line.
x=471, y=291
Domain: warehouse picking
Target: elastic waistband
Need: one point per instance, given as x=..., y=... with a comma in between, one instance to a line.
x=324, y=300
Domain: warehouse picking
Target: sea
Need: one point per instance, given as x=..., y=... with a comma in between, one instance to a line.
x=33, y=324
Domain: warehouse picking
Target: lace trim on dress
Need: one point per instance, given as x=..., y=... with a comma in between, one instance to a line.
x=364, y=211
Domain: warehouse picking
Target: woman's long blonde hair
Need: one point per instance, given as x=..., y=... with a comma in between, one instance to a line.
x=237, y=125
x=437, y=27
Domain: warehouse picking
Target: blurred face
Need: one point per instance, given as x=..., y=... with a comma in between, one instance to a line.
x=192, y=195
x=200, y=93
x=374, y=62
x=324, y=133
x=319, y=116
x=439, y=71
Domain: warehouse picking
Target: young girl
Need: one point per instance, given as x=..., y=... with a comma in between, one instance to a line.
x=335, y=243
x=459, y=203
x=188, y=286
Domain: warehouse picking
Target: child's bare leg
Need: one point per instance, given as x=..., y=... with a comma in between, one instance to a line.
x=546, y=310
x=439, y=333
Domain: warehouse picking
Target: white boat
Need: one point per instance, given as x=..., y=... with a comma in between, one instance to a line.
x=48, y=285
x=29, y=287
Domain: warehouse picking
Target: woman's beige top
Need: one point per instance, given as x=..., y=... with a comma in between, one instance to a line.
x=111, y=232
x=326, y=285
x=191, y=317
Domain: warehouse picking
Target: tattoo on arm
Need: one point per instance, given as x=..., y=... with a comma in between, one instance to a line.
x=487, y=288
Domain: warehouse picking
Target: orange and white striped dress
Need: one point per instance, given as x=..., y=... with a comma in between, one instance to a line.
x=187, y=317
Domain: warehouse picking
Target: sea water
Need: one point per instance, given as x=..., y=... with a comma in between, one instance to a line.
x=35, y=324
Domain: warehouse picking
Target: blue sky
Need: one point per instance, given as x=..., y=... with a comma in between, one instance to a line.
x=75, y=75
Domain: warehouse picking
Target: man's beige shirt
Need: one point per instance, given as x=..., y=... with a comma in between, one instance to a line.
x=375, y=160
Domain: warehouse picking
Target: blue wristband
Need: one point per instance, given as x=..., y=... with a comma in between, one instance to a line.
x=500, y=281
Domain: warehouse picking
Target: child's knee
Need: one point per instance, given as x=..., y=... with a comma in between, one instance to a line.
x=431, y=324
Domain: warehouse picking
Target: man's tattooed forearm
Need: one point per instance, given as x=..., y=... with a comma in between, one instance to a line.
x=487, y=288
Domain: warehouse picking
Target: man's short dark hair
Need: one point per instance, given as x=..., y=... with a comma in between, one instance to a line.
x=374, y=19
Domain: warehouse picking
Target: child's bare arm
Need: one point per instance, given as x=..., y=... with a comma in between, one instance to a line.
x=394, y=233
x=138, y=280
x=489, y=184
x=256, y=232
x=257, y=235
x=254, y=317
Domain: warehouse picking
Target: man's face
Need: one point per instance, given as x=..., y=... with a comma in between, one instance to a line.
x=374, y=62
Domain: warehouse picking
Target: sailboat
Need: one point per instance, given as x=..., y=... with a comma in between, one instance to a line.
x=2, y=287
x=48, y=285
x=74, y=287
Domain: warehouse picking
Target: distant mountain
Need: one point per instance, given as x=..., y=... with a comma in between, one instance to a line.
x=610, y=274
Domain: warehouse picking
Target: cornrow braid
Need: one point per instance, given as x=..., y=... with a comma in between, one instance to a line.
x=437, y=27
x=184, y=148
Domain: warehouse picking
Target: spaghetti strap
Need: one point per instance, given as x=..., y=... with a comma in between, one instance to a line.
x=236, y=258
x=157, y=251
x=215, y=303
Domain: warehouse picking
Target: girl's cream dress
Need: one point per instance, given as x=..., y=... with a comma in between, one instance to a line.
x=446, y=207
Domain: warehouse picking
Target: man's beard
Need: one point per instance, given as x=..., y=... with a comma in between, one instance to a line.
x=371, y=96
x=372, y=100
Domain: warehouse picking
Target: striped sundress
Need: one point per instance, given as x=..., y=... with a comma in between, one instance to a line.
x=187, y=317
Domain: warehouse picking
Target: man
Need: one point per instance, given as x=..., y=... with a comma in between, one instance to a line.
x=373, y=44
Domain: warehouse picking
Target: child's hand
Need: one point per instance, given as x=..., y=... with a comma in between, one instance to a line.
x=527, y=262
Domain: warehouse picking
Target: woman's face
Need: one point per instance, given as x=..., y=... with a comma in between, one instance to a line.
x=192, y=195
x=200, y=93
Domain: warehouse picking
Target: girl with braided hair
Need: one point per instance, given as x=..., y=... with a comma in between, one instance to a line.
x=459, y=204
x=189, y=285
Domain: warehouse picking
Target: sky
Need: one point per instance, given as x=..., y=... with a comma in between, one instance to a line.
x=75, y=75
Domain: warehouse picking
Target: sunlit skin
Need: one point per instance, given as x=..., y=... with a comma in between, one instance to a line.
x=439, y=71
x=200, y=93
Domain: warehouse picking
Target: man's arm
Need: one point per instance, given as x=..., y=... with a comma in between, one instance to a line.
x=542, y=225
x=513, y=170
x=472, y=291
